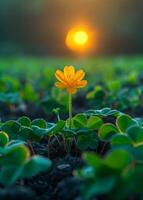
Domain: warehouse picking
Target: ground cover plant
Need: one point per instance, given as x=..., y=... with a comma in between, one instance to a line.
x=71, y=132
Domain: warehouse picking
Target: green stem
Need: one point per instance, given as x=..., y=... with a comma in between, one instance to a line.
x=58, y=116
x=70, y=110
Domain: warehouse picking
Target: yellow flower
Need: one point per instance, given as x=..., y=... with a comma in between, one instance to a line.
x=70, y=79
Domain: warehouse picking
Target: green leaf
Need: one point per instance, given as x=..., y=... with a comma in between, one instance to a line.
x=25, y=134
x=55, y=128
x=88, y=140
x=114, y=86
x=136, y=179
x=80, y=121
x=35, y=165
x=28, y=93
x=11, y=128
x=118, y=159
x=4, y=139
x=15, y=142
x=41, y=123
x=93, y=159
x=107, y=131
x=99, y=187
x=98, y=93
x=14, y=155
x=10, y=174
x=138, y=153
x=132, y=78
x=52, y=129
x=94, y=122
x=120, y=140
x=69, y=133
x=38, y=133
x=136, y=134
x=123, y=122
x=139, y=121
x=103, y=112
x=10, y=98
x=24, y=121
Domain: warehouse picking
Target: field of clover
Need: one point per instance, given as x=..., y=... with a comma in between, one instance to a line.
x=71, y=129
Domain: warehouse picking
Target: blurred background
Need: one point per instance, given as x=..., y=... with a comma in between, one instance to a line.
x=40, y=27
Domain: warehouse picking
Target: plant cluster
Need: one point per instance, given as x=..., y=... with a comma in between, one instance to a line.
x=116, y=174
x=16, y=163
x=32, y=87
x=110, y=141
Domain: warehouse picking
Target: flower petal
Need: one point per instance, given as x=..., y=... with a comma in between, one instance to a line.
x=79, y=75
x=72, y=90
x=81, y=84
x=69, y=72
x=60, y=85
x=60, y=76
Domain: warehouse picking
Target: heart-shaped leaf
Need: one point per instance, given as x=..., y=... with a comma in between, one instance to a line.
x=80, y=121
x=11, y=128
x=123, y=122
x=107, y=131
x=94, y=122
x=41, y=123
x=35, y=165
x=14, y=155
x=24, y=121
x=136, y=135
x=118, y=159
x=88, y=140
x=119, y=140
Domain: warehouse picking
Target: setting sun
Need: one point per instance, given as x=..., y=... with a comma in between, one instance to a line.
x=77, y=39
x=81, y=37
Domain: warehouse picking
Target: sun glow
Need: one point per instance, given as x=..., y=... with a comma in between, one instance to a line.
x=77, y=39
x=80, y=37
